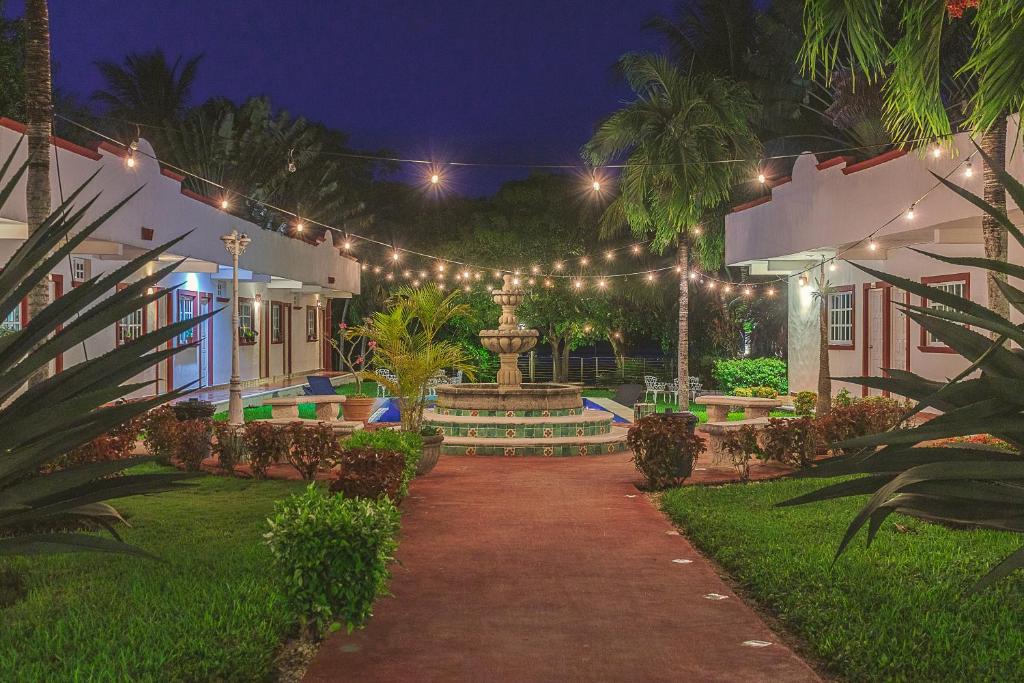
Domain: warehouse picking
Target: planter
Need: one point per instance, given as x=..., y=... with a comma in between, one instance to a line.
x=431, y=452
x=358, y=408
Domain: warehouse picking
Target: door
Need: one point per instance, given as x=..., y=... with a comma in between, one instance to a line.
x=876, y=335
x=899, y=354
x=206, y=341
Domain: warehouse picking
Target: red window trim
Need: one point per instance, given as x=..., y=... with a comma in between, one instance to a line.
x=316, y=332
x=280, y=320
x=925, y=346
x=853, y=317
x=185, y=293
x=117, y=325
x=255, y=315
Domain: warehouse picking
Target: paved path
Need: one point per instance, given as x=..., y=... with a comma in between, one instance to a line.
x=531, y=569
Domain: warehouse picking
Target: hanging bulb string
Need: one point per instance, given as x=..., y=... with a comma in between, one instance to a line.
x=582, y=260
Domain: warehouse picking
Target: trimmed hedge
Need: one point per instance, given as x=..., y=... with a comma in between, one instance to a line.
x=751, y=372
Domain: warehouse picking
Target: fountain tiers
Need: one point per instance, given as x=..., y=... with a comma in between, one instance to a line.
x=510, y=418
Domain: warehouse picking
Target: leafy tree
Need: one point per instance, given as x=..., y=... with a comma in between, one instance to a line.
x=674, y=137
x=12, y=66
x=949, y=63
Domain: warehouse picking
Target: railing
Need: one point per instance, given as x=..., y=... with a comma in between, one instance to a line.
x=599, y=370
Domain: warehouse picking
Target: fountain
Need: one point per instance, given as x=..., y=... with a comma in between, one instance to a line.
x=513, y=418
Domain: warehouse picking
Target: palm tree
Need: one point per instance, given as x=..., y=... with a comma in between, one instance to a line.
x=39, y=122
x=146, y=88
x=674, y=137
x=953, y=61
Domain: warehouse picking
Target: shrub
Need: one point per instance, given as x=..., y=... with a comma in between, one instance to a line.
x=742, y=445
x=751, y=372
x=805, y=402
x=331, y=556
x=664, y=449
x=161, y=433
x=842, y=399
x=861, y=417
x=409, y=444
x=793, y=441
x=370, y=473
x=116, y=444
x=312, y=446
x=266, y=444
x=193, y=442
x=192, y=409
x=230, y=446
x=756, y=392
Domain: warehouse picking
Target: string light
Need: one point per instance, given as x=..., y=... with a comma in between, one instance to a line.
x=693, y=275
x=407, y=274
x=548, y=283
x=415, y=283
x=531, y=282
x=832, y=266
x=760, y=178
x=771, y=291
x=130, y=159
x=578, y=284
x=365, y=266
x=872, y=245
x=746, y=291
x=711, y=284
x=390, y=276
x=697, y=230
x=423, y=274
x=602, y=284
x=584, y=261
x=435, y=178
x=596, y=185
x=515, y=281
x=224, y=204
x=299, y=226
x=534, y=269
x=968, y=169
x=636, y=248
x=394, y=256
x=559, y=265
x=728, y=288
x=376, y=269
x=291, y=161
x=803, y=280
x=910, y=212
x=936, y=150
x=609, y=255
x=468, y=288
x=347, y=245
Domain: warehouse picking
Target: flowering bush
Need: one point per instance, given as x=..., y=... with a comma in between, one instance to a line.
x=756, y=392
x=266, y=444
x=193, y=442
x=370, y=473
x=353, y=360
x=664, y=449
x=312, y=446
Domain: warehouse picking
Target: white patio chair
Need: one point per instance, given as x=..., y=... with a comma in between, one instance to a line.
x=457, y=379
x=382, y=391
x=672, y=389
x=695, y=387
x=653, y=386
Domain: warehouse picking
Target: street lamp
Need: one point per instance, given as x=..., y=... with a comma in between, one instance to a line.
x=235, y=244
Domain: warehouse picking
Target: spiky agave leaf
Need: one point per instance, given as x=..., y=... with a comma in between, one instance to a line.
x=973, y=485
x=78, y=401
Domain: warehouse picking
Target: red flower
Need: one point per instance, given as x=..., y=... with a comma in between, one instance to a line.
x=359, y=361
x=372, y=344
x=342, y=326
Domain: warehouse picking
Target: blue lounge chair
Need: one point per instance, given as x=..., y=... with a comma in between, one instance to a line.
x=319, y=386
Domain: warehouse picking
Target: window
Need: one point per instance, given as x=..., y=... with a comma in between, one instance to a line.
x=186, y=311
x=958, y=285
x=222, y=289
x=130, y=327
x=79, y=269
x=276, y=331
x=311, y=312
x=12, y=323
x=840, y=318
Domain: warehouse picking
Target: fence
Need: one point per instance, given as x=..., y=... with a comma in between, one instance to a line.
x=598, y=370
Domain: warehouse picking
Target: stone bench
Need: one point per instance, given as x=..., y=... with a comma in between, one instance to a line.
x=719, y=406
x=714, y=435
x=340, y=427
x=327, y=407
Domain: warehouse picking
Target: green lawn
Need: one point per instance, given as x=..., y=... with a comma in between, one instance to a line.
x=893, y=612
x=208, y=611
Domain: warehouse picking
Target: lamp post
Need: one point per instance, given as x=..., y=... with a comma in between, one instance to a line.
x=235, y=244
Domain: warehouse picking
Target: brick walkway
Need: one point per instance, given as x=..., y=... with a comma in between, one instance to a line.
x=533, y=569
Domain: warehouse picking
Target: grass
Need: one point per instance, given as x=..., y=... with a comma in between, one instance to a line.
x=208, y=610
x=895, y=611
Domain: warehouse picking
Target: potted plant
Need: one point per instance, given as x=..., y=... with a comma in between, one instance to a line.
x=358, y=406
x=432, y=438
x=247, y=335
x=405, y=343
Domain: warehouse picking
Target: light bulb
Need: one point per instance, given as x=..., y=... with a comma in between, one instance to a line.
x=602, y=284
x=440, y=267
x=609, y=255
x=584, y=261
x=468, y=288
x=130, y=161
x=650, y=277
x=760, y=178
x=415, y=283
x=636, y=248
x=711, y=284
x=910, y=212
x=968, y=170
x=299, y=227
x=534, y=269
x=224, y=204
x=693, y=275
x=771, y=292
x=365, y=266
x=547, y=283
x=515, y=281
x=728, y=288
x=873, y=245
x=391, y=276
x=936, y=150
x=531, y=281
x=803, y=280
x=578, y=284
x=423, y=274
x=558, y=265
x=407, y=274
x=346, y=245
x=679, y=269
x=376, y=269
x=832, y=267
x=596, y=185
x=697, y=230
x=435, y=179
x=746, y=291
x=458, y=276
x=497, y=275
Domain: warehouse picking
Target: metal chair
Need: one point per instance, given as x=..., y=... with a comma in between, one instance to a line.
x=653, y=386
x=382, y=391
x=672, y=389
x=695, y=387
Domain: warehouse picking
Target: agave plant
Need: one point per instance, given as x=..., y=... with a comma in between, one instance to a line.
x=962, y=484
x=406, y=345
x=53, y=417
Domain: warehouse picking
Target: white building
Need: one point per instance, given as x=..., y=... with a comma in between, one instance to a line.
x=832, y=207
x=286, y=282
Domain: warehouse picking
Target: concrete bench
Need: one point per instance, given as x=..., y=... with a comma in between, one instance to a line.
x=719, y=406
x=714, y=435
x=340, y=427
x=327, y=407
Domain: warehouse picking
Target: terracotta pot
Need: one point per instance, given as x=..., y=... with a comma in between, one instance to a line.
x=358, y=408
x=431, y=452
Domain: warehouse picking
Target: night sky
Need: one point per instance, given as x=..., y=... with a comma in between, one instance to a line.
x=469, y=80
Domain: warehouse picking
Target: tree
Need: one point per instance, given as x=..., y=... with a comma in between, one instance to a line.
x=147, y=89
x=12, y=66
x=675, y=137
x=953, y=62
x=39, y=123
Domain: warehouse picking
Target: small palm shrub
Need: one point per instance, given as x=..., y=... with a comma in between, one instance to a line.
x=370, y=473
x=229, y=446
x=313, y=446
x=265, y=444
x=805, y=402
x=331, y=555
x=664, y=449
